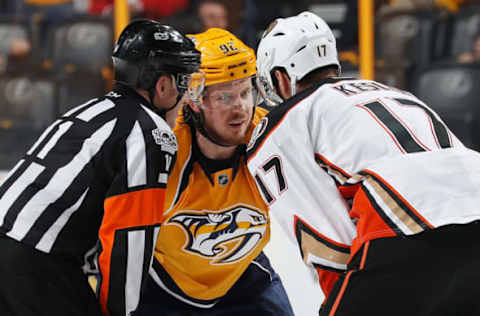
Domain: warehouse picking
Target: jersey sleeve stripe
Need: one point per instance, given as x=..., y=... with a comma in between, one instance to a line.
x=441, y=133
x=341, y=175
x=44, y=135
x=81, y=107
x=48, y=239
x=91, y=112
x=136, y=158
x=62, y=128
x=403, y=210
x=318, y=249
x=299, y=223
x=392, y=209
x=8, y=180
x=372, y=204
x=25, y=217
x=15, y=191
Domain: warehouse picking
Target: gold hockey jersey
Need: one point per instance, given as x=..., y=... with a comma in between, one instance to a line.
x=215, y=223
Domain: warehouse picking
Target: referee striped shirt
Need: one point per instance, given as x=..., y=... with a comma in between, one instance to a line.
x=97, y=173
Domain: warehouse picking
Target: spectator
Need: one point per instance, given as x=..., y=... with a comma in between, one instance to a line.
x=474, y=54
x=45, y=14
x=151, y=9
x=406, y=5
x=9, y=7
x=237, y=16
x=15, y=47
x=213, y=13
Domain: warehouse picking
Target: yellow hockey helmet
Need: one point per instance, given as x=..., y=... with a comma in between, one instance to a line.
x=224, y=57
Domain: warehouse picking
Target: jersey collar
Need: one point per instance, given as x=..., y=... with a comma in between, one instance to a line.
x=210, y=166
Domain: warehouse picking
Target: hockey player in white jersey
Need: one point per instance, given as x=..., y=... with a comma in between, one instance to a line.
x=380, y=196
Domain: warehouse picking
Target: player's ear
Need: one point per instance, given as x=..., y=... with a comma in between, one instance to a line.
x=283, y=84
x=193, y=106
x=164, y=86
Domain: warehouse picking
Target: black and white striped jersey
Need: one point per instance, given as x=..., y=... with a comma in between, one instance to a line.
x=97, y=173
x=350, y=160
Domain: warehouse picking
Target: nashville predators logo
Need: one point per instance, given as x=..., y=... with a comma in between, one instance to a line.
x=225, y=237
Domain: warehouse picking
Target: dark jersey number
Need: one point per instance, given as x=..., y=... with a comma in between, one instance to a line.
x=401, y=133
x=272, y=164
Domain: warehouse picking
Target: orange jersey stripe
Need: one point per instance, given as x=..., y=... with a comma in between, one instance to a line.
x=132, y=209
x=340, y=294
x=370, y=224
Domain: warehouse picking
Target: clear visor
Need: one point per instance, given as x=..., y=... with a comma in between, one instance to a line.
x=196, y=86
x=224, y=95
x=182, y=81
x=267, y=92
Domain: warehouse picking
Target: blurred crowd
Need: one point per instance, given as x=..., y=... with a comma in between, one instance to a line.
x=50, y=48
x=245, y=18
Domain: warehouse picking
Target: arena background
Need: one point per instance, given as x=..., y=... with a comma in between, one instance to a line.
x=55, y=54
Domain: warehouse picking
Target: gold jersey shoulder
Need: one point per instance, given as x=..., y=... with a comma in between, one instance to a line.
x=210, y=232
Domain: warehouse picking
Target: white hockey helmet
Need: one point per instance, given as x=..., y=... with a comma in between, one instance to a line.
x=299, y=44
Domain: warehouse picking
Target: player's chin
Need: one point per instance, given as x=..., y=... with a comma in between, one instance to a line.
x=234, y=139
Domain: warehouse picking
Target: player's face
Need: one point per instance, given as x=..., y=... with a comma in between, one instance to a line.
x=228, y=110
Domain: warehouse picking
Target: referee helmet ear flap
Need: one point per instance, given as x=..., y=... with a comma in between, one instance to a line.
x=147, y=49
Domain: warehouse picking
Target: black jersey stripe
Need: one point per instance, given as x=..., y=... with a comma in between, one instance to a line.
x=184, y=178
x=151, y=234
x=380, y=211
x=132, y=248
x=440, y=130
x=399, y=201
x=49, y=155
x=49, y=132
x=43, y=140
x=118, y=273
x=51, y=224
x=400, y=132
x=54, y=181
x=300, y=227
x=266, y=194
x=154, y=166
x=322, y=159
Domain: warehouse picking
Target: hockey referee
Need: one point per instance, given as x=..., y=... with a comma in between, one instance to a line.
x=96, y=178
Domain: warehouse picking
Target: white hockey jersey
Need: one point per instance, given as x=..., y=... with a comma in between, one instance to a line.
x=351, y=160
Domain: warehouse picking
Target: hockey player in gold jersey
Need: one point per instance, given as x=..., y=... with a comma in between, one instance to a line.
x=208, y=257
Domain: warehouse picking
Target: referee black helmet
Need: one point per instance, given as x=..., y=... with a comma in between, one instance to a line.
x=147, y=49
